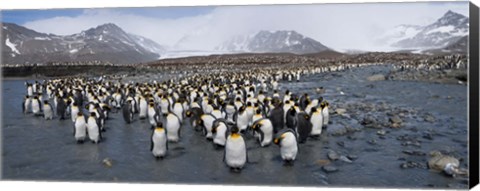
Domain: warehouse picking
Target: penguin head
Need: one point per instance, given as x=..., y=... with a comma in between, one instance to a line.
x=45, y=102
x=159, y=127
x=235, y=132
x=35, y=97
x=257, y=125
x=188, y=113
x=92, y=114
x=79, y=114
x=279, y=139
x=313, y=110
x=292, y=111
x=249, y=104
x=242, y=109
x=306, y=116
x=258, y=112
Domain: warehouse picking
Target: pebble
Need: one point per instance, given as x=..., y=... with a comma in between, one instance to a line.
x=345, y=159
x=332, y=155
x=372, y=141
x=329, y=168
x=340, y=111
x=352, y=157
x=107, y=162
x=376, y=77
x=395, y=119
x=381, y=132
x=429, y=118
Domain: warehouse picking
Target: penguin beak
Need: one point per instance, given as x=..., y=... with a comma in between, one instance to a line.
x=275, y=141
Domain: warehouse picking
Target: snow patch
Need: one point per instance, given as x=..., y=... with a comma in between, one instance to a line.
x=42, y=38
x=444, y=29
x=11, y=46
x=73, y=51
x=5, y=27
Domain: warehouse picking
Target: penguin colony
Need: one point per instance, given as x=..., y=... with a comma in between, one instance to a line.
x=222, y=108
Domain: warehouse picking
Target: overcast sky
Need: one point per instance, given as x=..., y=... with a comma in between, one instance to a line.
x=339, y=26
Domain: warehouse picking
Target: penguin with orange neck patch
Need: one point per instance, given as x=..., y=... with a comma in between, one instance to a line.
x=287, y=140
x=235, y=155
x=159, y=143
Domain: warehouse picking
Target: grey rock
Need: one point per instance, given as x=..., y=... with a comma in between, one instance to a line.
x=429, y=118
x=376, y=77
x=340, y=111
x=329, y=168
x=352, y=157
x=345, y=159
x=381, y=132
x=395, y=119
x=332, y=155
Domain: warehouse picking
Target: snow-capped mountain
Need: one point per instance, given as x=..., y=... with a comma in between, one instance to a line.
x=106, y=42
x=273, y=41
x=445, y=31
x=148, y=44
x=399, y=33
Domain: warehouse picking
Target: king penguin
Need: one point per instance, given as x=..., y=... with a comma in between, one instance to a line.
x=304, y=126
x=235, y=155
x=173, y=125
x=206, y=122
x=36, y=106
x=80, y=128
x=276, y=116
x=153, y=114
x=47, y=110
x=93, y=128
x=317, y=122
x=127, y=112
x=220, y=132
x=326, y=115
x=27, y=104
x=287, y=140
x=159, y=143
x=264, y=128
x=241, y=118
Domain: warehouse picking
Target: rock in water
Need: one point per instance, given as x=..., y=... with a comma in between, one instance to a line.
x=329, y=168
x=340, y=111
x=332, y=155
x=395, y=119
x=376, y=77
x=438, y=162
x=345, y=159
x=107, y=162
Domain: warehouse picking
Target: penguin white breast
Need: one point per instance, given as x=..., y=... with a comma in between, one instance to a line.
x=92, y=129
x=317, y=123
x=289, y=149
x=235, y=152
x=159, y=140
x=173, y=125
x=220, y=135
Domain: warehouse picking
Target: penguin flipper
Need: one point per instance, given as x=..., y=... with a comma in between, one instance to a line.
x=23, y=106
x=74, y=130
x=262, y=136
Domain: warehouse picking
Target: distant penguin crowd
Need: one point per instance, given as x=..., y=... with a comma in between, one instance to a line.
x=223, y=107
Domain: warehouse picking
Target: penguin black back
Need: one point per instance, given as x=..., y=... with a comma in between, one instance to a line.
x=304, y=126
